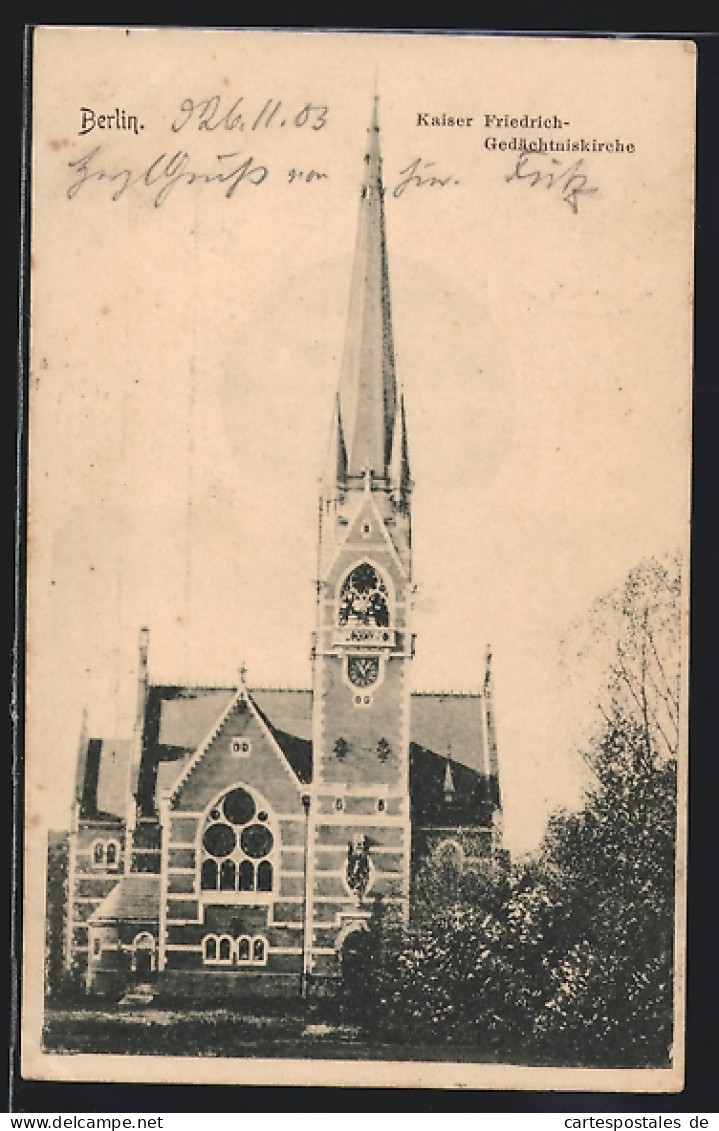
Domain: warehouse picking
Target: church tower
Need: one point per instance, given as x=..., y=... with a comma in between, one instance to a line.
x=359, y=843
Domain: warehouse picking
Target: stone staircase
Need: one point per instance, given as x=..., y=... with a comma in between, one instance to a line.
x=141, y=994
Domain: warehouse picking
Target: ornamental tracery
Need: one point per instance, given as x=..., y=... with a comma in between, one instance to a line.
x=364, y=599
x=237, y=844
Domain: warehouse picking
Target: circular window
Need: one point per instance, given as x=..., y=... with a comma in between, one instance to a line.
x=239, y=807
x=219, y=840
x=215, y=814
x=256, y=841
x=262, y=816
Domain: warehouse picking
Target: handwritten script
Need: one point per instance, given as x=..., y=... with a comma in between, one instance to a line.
x=416, y=175
x=168, y=170
x=568, y=182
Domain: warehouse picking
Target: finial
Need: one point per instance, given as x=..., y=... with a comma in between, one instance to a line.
x=243, y=675
x=367, y=476
x=375, y=107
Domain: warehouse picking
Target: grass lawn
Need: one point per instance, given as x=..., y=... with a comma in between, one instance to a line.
x=223, y=1032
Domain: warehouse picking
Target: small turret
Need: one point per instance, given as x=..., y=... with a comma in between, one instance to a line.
x=336, y=470
x=138, y=733
x=449, y=787
x=399, y=474
x=143, y=649
x=490, y=732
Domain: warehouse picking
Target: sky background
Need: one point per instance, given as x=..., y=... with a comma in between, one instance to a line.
x=184, y=360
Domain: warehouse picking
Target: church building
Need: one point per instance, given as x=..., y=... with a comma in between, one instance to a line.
x=238, y=840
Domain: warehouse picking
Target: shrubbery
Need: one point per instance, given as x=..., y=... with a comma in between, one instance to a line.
x=565, y=959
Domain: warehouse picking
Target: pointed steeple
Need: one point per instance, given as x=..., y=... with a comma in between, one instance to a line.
x=368, y=394
x=336, y=469
x=399, y=474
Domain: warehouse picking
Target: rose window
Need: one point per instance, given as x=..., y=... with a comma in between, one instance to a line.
x=236, y=844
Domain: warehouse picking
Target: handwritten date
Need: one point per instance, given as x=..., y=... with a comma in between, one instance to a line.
x=213, y=114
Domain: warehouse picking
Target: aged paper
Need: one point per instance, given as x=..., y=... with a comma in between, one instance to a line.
x=194, y=211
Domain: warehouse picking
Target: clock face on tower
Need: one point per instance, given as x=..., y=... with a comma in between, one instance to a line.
x=362, y=671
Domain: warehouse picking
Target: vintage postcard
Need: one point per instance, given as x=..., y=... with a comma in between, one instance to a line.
x=358, y=524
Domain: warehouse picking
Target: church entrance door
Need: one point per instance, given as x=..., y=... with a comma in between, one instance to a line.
x=356, y=961
x=143, y=957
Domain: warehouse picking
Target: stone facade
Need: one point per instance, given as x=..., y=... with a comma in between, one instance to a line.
x=240, y=837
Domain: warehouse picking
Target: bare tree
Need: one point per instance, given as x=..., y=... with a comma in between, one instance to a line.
x=634, y=631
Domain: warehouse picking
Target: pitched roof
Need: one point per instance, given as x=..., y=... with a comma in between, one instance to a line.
x=440, y=718
x=469, y=803
x=136, y=896
x=297, y=751
x=188, y=713
x=178, y=718
x=105, y=763
x=168, y=772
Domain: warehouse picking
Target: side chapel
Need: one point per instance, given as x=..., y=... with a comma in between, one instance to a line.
x=240, y=836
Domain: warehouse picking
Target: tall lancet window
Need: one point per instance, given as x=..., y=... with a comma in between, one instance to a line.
x=364, y=599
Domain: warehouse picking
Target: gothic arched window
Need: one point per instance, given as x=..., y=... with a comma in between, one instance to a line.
x=237, y=844
x=247, y=876
x=209, y=875
x=364, y=599
x=227, y=875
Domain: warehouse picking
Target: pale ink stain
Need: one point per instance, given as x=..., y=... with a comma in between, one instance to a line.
x=105, y=309
x=57, y=143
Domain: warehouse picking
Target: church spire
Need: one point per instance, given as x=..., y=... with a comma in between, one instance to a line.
x=368, y=394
